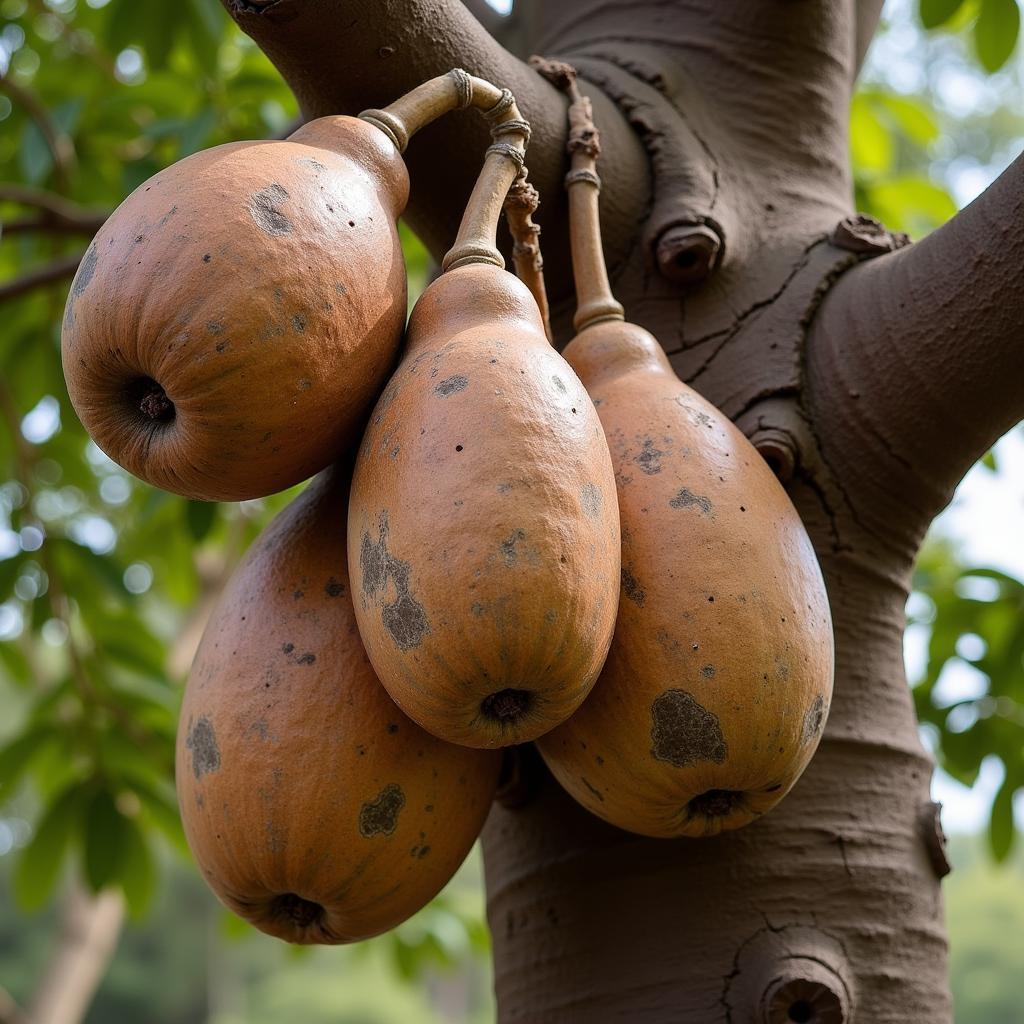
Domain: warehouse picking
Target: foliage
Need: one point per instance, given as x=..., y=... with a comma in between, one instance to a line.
x=976, y=621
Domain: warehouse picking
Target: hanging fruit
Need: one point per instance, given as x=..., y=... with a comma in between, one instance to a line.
x=719, y=677
x=483, y=528
x=225, y=336
x=315, y=809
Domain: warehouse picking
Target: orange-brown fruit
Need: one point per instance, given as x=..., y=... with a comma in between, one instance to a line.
x=719, y=677
x=483, y=529
x=225, y=334
x=315, y=809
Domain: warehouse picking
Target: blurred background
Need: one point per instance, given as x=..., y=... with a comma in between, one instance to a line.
x=105, y=583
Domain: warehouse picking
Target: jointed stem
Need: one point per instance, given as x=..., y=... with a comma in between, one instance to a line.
x=520, y=205
x=594, y=299
x=476, y=241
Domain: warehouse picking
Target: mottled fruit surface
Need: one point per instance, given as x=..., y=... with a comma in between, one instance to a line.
x=483, y=527
x=315, y=809
x=236, y=316
x=719, y=677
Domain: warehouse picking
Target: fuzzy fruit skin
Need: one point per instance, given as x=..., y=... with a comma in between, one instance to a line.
x=296, y=773
x=483, y=527
x=261, y=285
x=719, y=677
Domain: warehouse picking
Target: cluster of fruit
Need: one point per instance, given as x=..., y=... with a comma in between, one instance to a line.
x=579, y=551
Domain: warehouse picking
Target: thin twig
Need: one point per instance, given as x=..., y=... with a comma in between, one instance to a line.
x=520, y=205
x=57, y=213
x=10, y=1011
x=61, y=268
x=59, y=142
x=79, y=41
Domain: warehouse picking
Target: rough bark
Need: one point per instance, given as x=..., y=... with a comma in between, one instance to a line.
x=869, y=382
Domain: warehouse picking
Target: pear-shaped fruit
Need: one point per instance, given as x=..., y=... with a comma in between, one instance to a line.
x=719, y=677
x=483, y=529
x=315, y=809
x=236, y=316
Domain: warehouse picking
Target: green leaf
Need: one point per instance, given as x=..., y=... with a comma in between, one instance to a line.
x=17, y=756
x=1000, y=826
x=136, y=875
x=995, y=32
x=200, y=517
x=870, y=142
x=937, y=12
x=34, y=155
x=40, y=861
x=105, y=830
x=988, y=460
x=913, y=117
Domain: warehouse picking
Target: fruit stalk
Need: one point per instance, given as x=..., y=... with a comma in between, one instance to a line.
x=520, y=205
x=476, y=241
x=594, y=300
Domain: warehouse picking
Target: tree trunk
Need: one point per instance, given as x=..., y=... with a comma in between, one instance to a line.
x=869, y=374
x=89, y=929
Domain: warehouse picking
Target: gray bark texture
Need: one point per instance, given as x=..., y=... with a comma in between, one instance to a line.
x=870, y=375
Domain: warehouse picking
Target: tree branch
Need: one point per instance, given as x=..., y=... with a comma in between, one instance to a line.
x=342, y=56
x=89, y=931
x=56, y=213
x=868, y=13
x=914, y=358
x=59, y=142
x=57, y=270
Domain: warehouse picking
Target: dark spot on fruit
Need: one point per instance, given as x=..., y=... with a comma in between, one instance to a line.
x=222, y=346
x=590, y=500
x=152, y=400
x=814, y=719
x=203, y=744
x=404, y=618
x=556, y=380
x=287, y=648
x=682, y=731
x=715, y=803
x=506, y=706
x=392, y=728
x=708, y=671
x=215, y=326
x=508, y=548
x=380, y=817
x=297, y=911
x=406, y=621
x=477, y=608
x=649, y=459
x=373, y=559
x=632, y=589
x=307, y=659
x=263, y=206
x=206, y=257
x=299, y=323
x=687, y=499
x=333, y=588
x=451, y=384
x=458, y=447
x=592, y=789
x=419, y=852
x=298, y=595
x=550, y=615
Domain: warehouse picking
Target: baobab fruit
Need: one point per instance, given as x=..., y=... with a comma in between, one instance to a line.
x=483, y=528
x=236, y=316
x=719, y=676
x=315, y=809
